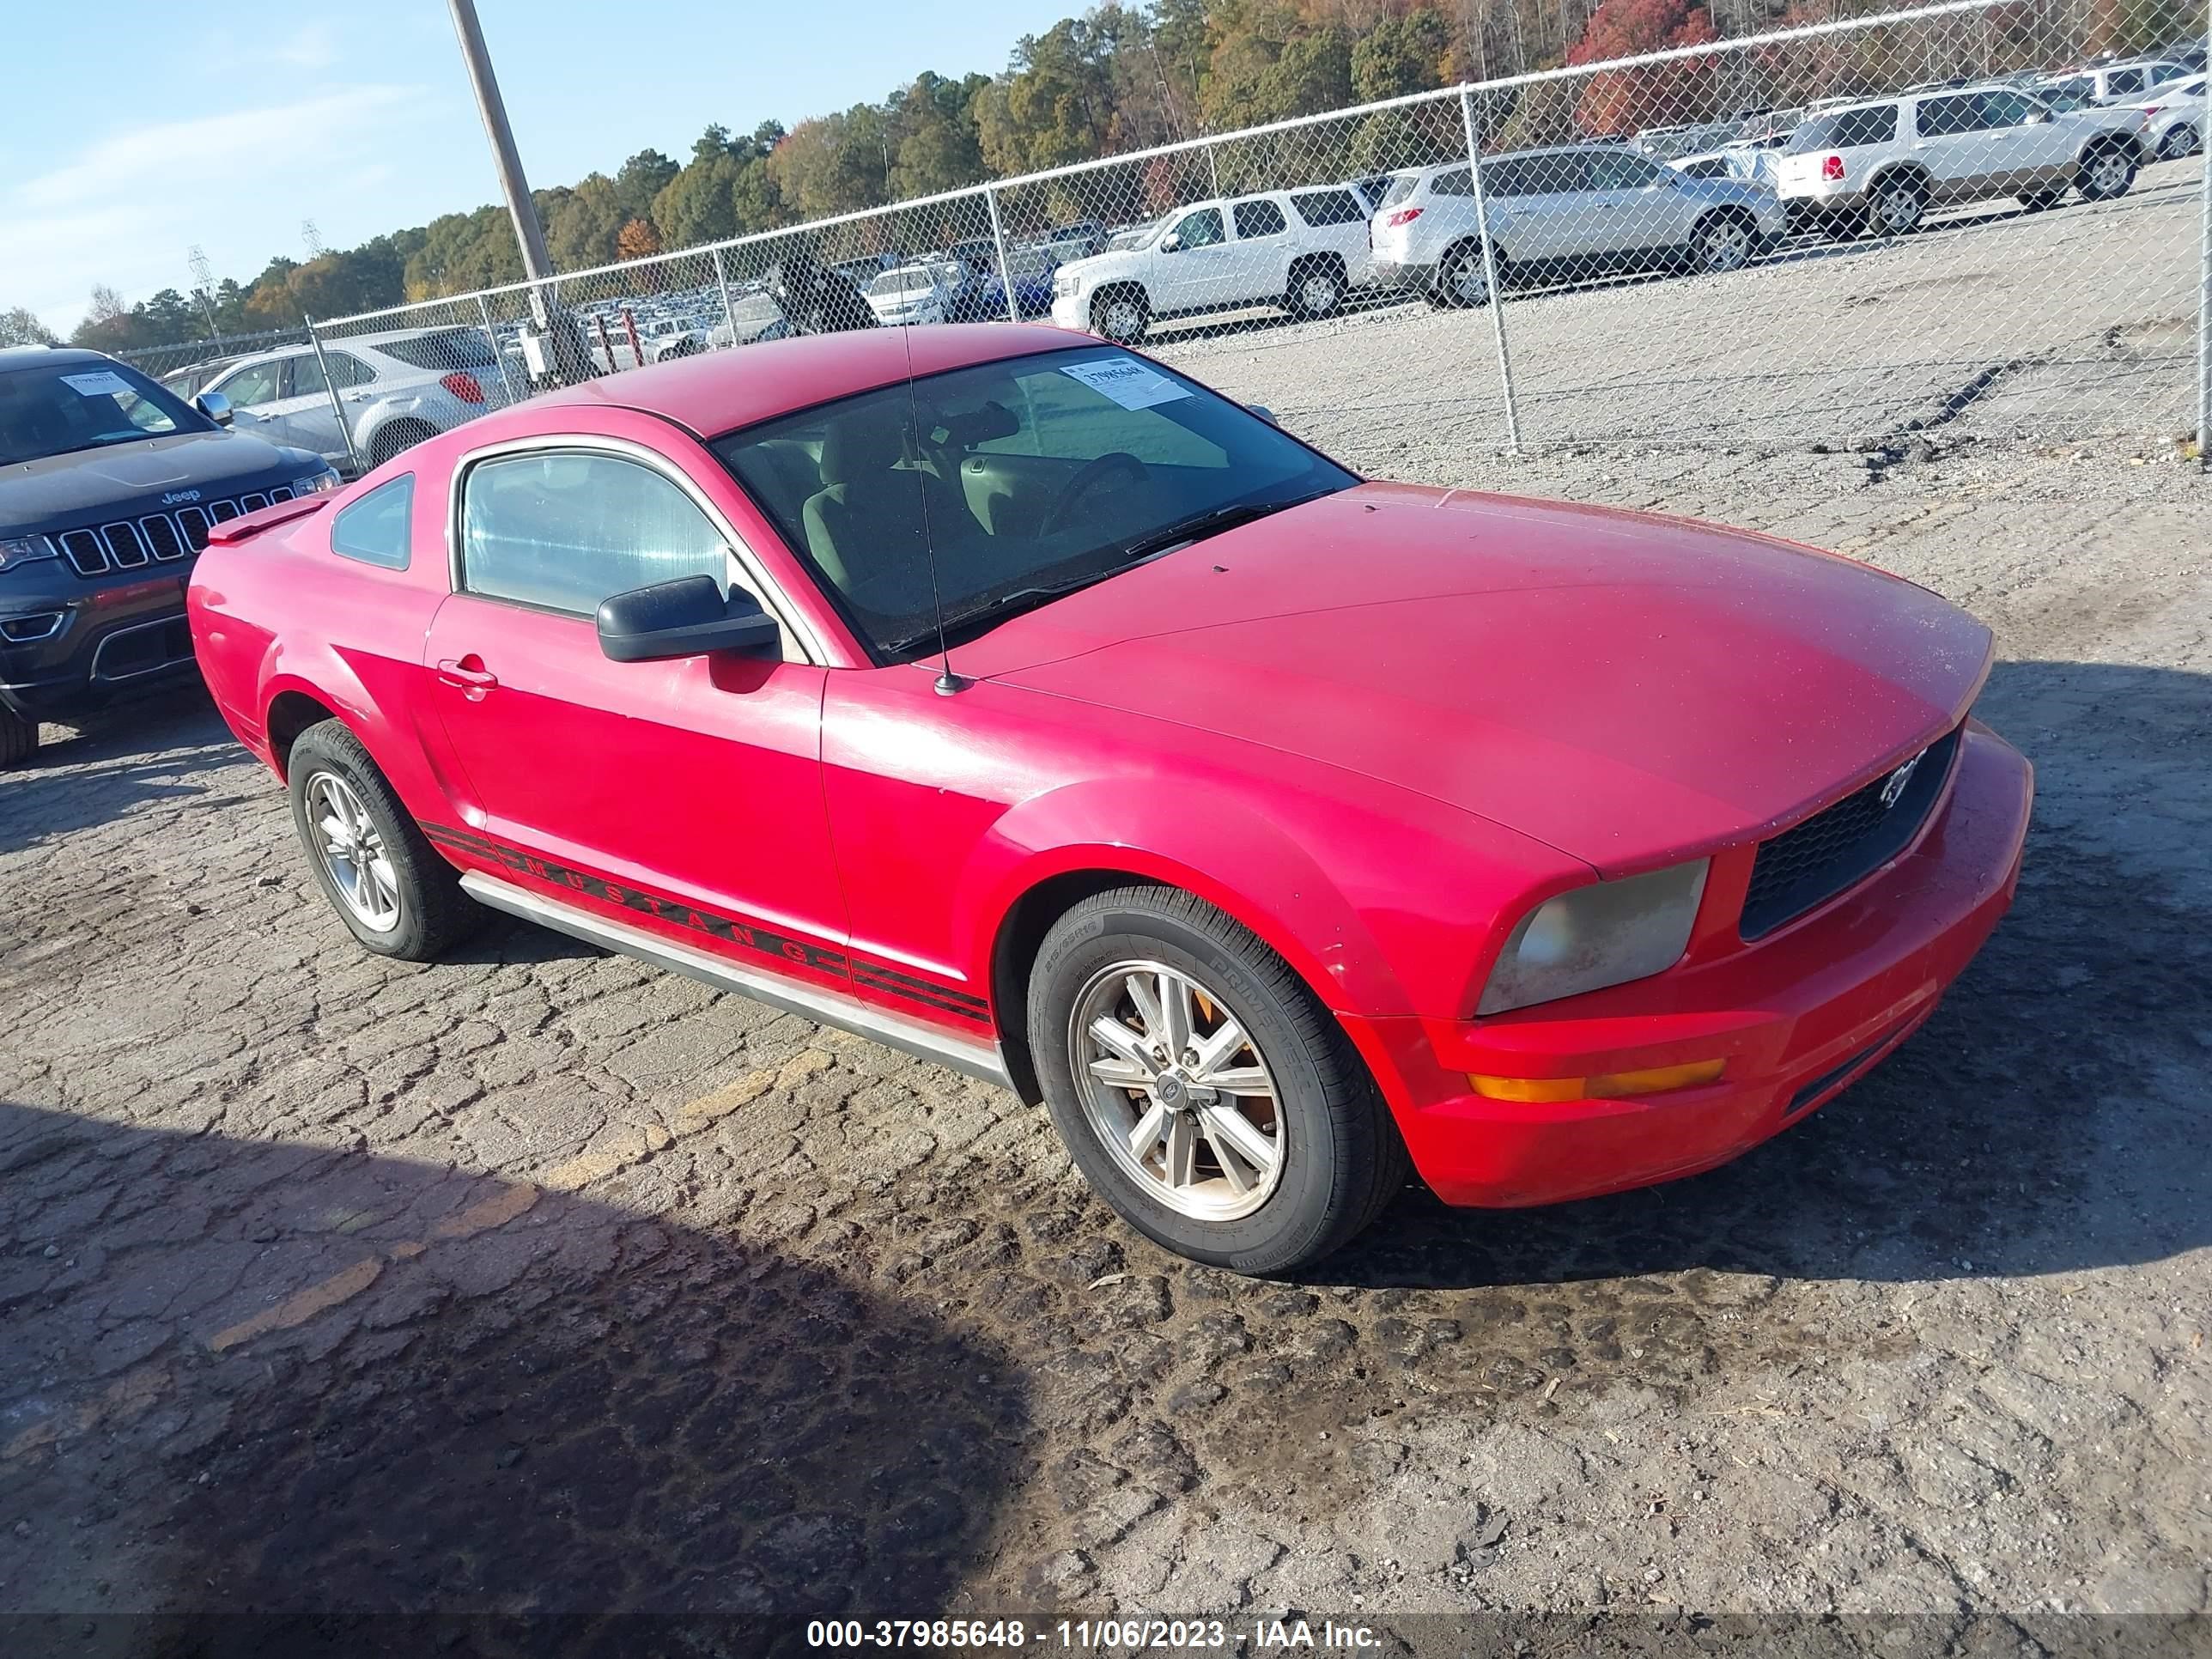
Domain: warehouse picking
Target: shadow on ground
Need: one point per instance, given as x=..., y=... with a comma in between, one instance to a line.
x=286, y=1395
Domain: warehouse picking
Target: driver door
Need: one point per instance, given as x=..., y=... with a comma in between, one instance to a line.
x=697, y=779
x=1201, y=270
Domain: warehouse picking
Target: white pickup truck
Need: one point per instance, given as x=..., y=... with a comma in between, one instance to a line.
x=1300, y=249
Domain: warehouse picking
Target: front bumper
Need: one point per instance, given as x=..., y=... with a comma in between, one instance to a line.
x=1071, y=311
x=111, y=638
x=1798, y=1018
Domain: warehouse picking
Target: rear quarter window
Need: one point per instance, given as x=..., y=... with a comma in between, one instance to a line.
x=379, y=527
x=1329, y=207
x=444, y=352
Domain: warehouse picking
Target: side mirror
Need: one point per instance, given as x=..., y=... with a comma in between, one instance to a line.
x=1264, y=413
x=686, y=617
x=2037, y=117
x=1171, y=243
x=215, y=406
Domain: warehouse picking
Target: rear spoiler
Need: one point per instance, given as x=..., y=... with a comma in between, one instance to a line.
x=231, y=532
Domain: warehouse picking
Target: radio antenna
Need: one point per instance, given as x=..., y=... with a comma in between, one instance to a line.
x=948, y=683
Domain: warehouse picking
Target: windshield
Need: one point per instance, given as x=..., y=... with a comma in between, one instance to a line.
x=1031, y=475
x=54, y=409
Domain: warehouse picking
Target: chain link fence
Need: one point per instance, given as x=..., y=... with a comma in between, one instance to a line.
x=1958, y=216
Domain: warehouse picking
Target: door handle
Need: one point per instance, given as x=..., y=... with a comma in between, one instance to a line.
x=474, y=681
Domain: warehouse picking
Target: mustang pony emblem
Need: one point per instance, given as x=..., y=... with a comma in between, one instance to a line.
x=1893, y=785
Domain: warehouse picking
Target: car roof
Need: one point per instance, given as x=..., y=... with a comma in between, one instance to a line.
x=29, y=356
x=719, y=392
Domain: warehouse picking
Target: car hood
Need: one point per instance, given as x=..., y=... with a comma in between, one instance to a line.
x=1628, y=690
x=64, y=490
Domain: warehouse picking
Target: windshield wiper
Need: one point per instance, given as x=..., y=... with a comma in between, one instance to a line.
x=1212, y=522
x=1022, y=598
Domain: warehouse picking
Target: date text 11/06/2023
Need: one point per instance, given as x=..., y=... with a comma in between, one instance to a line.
x=1094, y=1635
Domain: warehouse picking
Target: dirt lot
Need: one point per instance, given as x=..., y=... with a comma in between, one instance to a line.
x=537, y=1283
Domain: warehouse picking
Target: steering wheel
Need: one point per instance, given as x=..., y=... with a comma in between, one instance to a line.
x=1087, y=477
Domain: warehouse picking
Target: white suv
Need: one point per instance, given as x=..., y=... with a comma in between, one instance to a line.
x=1572, y=213
x=1303, y=250
x=2111, y=83
x=397, y=389
x=1883, y=165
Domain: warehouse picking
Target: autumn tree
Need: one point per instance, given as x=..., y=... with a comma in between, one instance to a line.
x=1651, y=94
x=19, y=326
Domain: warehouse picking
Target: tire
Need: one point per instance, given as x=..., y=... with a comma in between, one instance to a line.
x=2039, y=200
x=397, y=439
x=2183, y=140
x=1121, y=315
x=19, y=737
x=431, y=912
x=1337, y=1158
x=1723, y=242
x=2107, y=172
x=1317, y=287
x=1461, y=281
x=1897, y=204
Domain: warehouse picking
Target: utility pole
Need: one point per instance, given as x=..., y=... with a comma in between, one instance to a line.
x=535, y=263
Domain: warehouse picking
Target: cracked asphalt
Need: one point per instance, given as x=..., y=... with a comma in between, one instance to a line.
x=537, y=1285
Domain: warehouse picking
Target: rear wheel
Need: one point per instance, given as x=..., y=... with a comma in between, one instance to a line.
x=1121, y=315
x=397, y=439
x=2106, y=173
x=2184, y=140
x=385, y=881
x=19, y=737
x=1316, y=289
x=1897, y=204
x=1723, y=242
x=1201, y=1089
x=1461, y=279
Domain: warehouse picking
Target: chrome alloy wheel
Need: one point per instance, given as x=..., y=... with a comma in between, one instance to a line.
x=1469, y=282
x=1124, y=319
x=1318, y=293
x=353, y=853
x=1177, y=1091
x=1727, y=246
x=2109, y=172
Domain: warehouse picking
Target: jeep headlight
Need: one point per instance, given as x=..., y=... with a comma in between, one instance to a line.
x=1606, y=933
x=22, y=549
x=316, y=482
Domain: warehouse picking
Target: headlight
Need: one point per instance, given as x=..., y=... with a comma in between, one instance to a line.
x=22, y=549
x=316, y=482
x=1606, y=933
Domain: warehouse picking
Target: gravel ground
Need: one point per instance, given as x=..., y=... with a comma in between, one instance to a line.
x=537, y=1283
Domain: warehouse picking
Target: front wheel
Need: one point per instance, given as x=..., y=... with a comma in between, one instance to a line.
x=1120, y=316
x=19, y=737
x=1201, y=1089
x=383, y=878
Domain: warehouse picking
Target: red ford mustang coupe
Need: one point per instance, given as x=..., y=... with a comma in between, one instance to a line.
x=1019, y=702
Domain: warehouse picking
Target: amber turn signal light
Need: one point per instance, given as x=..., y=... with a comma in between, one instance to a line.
x=1611, y=1086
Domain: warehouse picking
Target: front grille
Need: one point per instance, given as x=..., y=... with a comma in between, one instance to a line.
x=158, y=537
x=1810, y=863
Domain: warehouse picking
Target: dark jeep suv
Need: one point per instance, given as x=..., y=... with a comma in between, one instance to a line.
x=108, y=483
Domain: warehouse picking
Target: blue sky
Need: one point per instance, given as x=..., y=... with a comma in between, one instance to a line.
x=136, y=130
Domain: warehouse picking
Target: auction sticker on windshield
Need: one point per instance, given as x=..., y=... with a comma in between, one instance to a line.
x=1129, y=384
x=101, y=383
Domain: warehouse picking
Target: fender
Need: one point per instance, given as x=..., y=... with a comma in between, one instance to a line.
x=1180, y=837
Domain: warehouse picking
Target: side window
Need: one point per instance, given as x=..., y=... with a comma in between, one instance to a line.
x=254, y=385
x=1498, y=178
x=2003, y=109
x=2126, y=80
x=565, y=529
x=1455, y=182
x=303, y=376
x=1622, y=171
x=1559, y=172
x=1259, y=218
x=1875, y=125
x=1200, y=230
x=1946, y=118
x=347, y=371
x=1329, y=207
x=379, y=527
